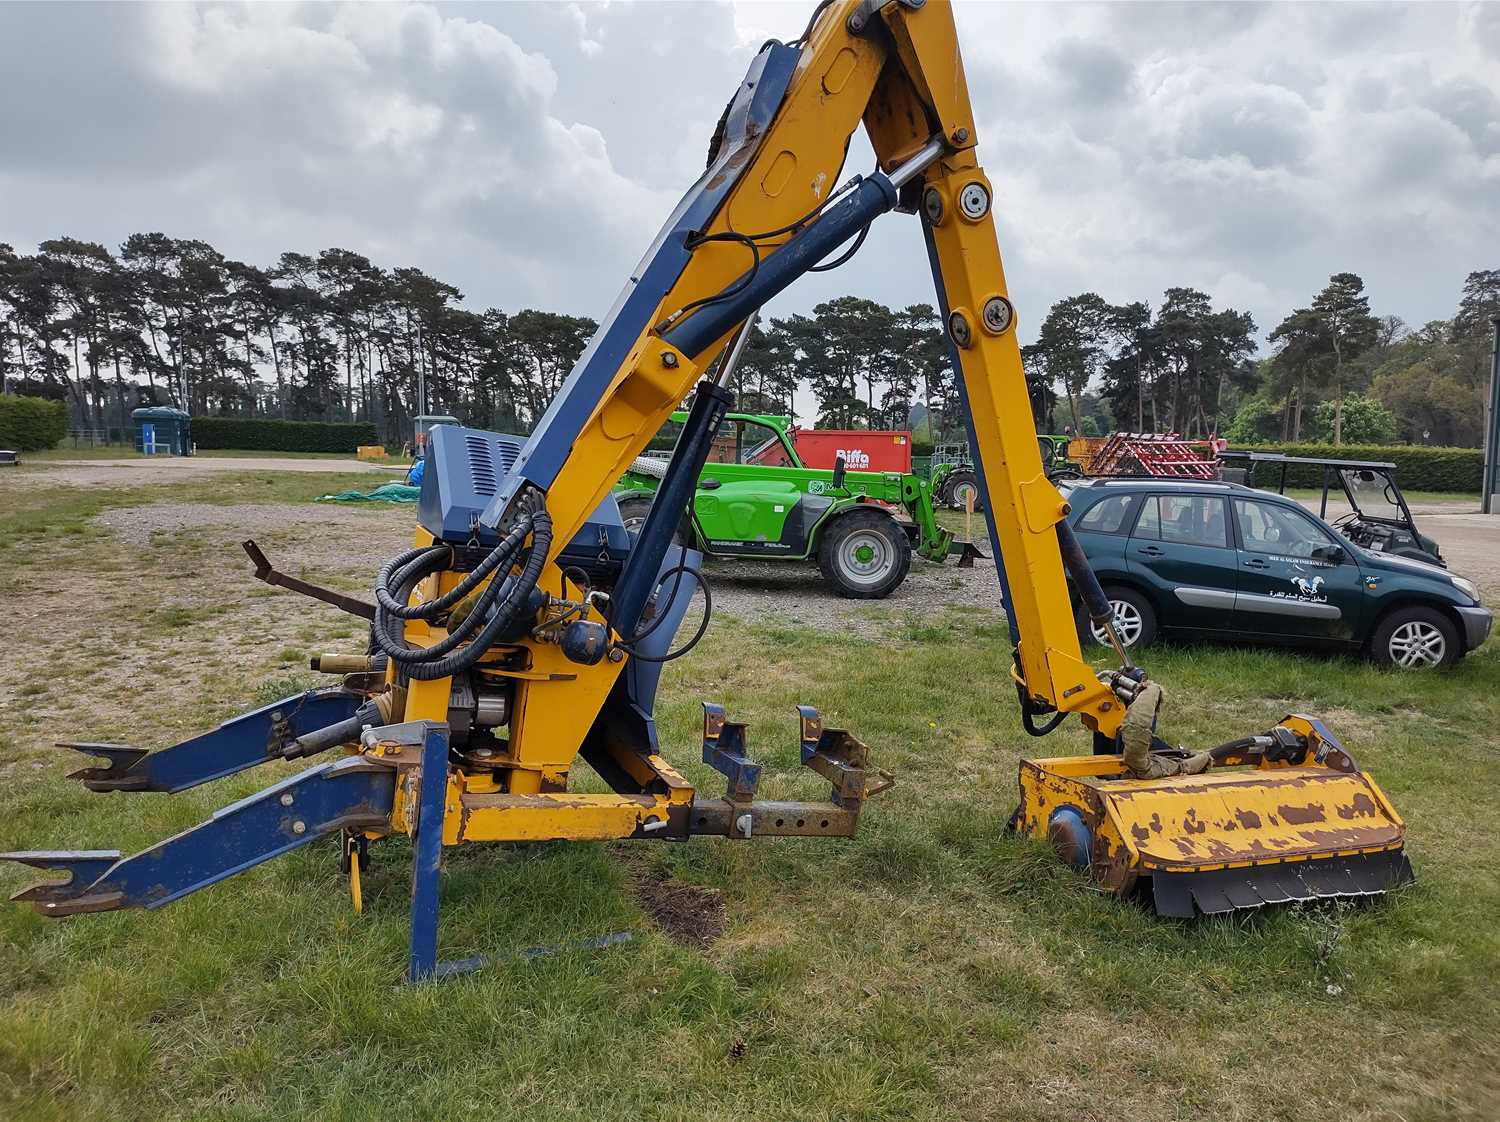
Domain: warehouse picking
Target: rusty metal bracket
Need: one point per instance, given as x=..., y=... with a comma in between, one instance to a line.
x=842, y=759
x=724, y=747
x=263, y=571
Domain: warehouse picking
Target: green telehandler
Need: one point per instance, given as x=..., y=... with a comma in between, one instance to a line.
x=756, y=500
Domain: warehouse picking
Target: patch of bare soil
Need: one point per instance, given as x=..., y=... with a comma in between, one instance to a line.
x=689, y=915
x=310, y=534
x=795, y=592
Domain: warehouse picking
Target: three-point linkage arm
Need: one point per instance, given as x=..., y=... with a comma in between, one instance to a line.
x=764, y=213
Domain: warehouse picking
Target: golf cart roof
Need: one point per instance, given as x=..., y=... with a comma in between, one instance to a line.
x=1283, y=458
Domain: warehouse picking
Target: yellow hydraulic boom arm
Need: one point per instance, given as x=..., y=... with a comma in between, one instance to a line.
x=895, y=66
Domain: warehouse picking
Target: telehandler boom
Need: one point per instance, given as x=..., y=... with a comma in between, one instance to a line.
x=526, y=627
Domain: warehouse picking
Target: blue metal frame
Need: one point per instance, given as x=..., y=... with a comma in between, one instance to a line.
x=641, y=575
x=427, y=852
x=724, y=750
x=249, y=739
x=348, y=794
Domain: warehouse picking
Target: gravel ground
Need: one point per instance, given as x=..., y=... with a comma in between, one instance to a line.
x=313, y=535
x=329, y=536
x=166, y=469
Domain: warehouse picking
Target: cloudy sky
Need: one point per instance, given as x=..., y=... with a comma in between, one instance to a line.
x=528, y=152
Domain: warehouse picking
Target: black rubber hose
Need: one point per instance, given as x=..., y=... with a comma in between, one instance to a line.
x=434, y=607
x=708, y=611
x=495, y=608
x=406, y=654
x=1244, y=744
x=504, y=614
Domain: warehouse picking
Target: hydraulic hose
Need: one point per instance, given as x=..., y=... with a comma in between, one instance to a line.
x=495, y=611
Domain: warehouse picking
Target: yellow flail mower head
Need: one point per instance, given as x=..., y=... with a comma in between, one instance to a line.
x=1280, y=817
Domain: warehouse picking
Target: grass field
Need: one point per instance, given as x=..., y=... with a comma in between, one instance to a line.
x=932, y=968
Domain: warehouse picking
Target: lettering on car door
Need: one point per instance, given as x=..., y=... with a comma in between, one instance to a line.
x=1283, y=588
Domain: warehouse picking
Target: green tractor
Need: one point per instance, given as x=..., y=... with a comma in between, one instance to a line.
x=756, y=500
x=953, y=477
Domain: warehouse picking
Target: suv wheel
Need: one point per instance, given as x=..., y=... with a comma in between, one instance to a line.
x=1415, y=638
x=1135, y=620
x=864, y=555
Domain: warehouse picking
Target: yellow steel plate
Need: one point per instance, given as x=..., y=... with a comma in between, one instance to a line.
x=1224, y=819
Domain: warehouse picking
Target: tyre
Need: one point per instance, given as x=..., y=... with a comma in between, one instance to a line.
x=957, y=486
x=1415, y=638
x=1135, y=620
x=633, y=511
x=864, y=555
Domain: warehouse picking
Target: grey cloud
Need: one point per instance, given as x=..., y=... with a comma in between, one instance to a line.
x=1093, y=72
x=528, y=152
x=1269, y=126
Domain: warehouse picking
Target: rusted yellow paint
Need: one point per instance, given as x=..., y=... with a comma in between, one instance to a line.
x=551, y=817
x=1224, y=818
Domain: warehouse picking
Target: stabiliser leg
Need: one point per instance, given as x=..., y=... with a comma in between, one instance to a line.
x=427, y=852
x=350, y=794
x=271, y=732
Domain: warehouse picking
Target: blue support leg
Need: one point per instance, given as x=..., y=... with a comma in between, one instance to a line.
x=427, y=853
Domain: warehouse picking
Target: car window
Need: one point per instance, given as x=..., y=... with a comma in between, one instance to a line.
x=1185, y=519
x=1272, y=528
x=1107, y=516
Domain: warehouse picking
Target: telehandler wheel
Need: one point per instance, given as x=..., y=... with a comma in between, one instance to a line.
x=633, y=511
x=864, y=555
x=1135, y=619
x=957, y=486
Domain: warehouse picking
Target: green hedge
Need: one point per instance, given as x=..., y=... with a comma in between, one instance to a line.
x=281, y=436
x=1419, y=467
x=31, y=424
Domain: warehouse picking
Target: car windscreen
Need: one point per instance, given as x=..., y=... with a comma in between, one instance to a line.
x=1372, y=493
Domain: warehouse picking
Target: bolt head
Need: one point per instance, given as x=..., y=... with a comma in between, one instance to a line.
x=999, y=315
x=668, y=359
x=932, y=205
x=960, y=135
x=299, y=827
x=286, y=799
x=958, y=328
x=974, y=201
x=616, y=654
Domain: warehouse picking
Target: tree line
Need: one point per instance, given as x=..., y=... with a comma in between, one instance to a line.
x=335, y=337
x=331, y=337
x=1336, y=371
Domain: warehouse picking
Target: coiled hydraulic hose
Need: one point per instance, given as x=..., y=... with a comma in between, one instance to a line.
x=495, y=611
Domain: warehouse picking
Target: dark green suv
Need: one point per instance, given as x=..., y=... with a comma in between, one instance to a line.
x=1228, y=561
